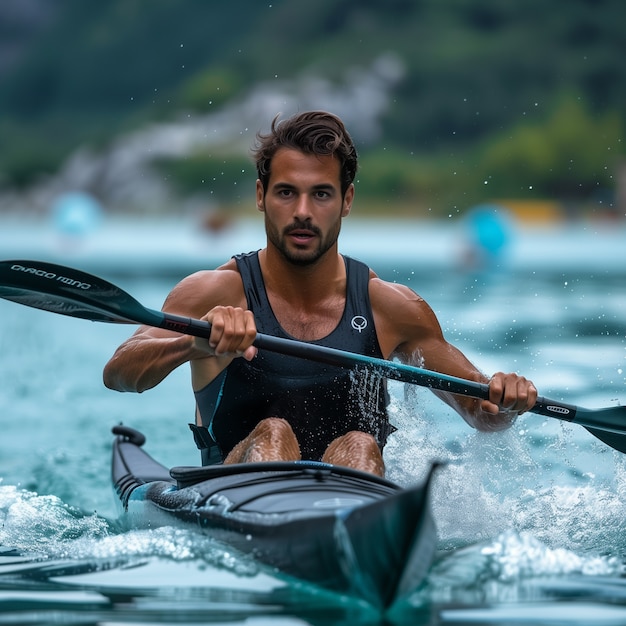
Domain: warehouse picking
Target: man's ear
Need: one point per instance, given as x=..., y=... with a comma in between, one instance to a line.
x=260, y=196
x=347, y=201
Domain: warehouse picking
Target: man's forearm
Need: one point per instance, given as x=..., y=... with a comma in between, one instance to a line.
x=140, y=364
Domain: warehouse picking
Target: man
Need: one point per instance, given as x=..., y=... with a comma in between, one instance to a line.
x=257, y=406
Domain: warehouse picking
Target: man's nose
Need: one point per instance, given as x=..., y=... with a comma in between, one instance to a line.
x=302, y=209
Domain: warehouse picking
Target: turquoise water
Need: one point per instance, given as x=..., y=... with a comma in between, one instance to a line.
x=531, y=522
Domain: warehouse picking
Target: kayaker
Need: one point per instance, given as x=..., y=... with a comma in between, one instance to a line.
x=258, y=406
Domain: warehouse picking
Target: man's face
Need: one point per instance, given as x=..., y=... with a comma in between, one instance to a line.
x=303, y=205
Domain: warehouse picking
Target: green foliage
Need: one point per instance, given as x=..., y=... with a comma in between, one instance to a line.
x=218, y=177
x=569, y=154
x=29, y=161
x=29, y=158
x=208, y=89
x=399, y=175
x=482, y=99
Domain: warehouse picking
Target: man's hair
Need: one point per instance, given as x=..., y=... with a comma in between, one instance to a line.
x=312, y=132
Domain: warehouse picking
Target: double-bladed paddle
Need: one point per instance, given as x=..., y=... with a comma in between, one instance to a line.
x=68, y=291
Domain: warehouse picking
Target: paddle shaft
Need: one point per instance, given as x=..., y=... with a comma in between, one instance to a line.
x=390, y=369
x=71, y=292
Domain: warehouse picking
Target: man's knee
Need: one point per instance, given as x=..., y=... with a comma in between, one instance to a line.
x=358, y=450
x=358, y=440
x=272, y=439
x=273, y=427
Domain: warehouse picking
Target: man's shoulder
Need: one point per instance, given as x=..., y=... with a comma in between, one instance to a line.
x=396, y=302
x=205, y=289
x=207, y=278
x=403, y=318
x=389, y=291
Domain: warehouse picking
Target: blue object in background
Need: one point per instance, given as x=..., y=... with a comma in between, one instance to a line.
x=76, y=214
x=488, y=233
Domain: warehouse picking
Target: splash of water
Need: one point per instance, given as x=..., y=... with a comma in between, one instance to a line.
x=515, y=481
x=48, y=528
x=511, y=568
x=32, y=522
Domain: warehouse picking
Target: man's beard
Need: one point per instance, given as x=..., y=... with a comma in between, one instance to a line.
x=302, y=257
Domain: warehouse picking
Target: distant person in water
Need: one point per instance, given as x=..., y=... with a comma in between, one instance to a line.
x=253, y=405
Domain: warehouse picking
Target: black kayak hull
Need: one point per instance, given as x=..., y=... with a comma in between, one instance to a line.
x=347, y=531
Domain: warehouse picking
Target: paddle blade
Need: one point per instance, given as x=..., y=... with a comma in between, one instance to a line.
x=615, y=440
x=67, y=291
x=607, y=424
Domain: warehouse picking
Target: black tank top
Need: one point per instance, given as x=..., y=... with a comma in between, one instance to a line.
x=320, y=402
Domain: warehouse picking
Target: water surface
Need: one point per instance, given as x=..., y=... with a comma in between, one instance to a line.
x=531, y=521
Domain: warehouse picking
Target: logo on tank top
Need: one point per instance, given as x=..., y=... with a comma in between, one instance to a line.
x=359, y=323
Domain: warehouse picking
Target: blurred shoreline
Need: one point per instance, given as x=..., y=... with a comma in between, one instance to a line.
x=175, y=247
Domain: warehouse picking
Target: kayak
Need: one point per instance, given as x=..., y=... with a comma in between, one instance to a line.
x=346, y=531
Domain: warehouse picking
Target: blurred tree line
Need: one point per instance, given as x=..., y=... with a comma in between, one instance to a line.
x=498, y=99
